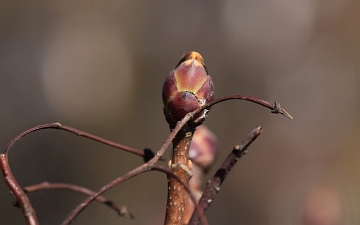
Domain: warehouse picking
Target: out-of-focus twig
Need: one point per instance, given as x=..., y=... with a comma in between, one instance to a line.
x=213, y=186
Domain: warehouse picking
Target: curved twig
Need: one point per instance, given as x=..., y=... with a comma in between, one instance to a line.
x=22, y=199
x=74, y=131
x=121, y=210
x=274, y=106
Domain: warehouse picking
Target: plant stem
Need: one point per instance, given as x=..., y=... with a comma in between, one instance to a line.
x=180, y=166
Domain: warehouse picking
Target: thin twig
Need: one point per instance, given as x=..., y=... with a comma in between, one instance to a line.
x=74, y=131
x=274, y=106
x=121, y=210
x=213, y=186
x=24, y=202
x=79, y=208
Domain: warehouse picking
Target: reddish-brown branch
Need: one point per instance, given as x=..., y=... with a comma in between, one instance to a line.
x=22, y=199
x=121, y=210
x=274, y=106
x=24, y=202
x=176, y=194
x=179, y=166
x=136, y=171
x=74, y=131
x=213, y=186
x=79, y=208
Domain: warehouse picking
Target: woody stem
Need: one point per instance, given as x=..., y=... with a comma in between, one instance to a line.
x=181, y=166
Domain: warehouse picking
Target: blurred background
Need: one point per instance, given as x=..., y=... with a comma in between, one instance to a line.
x=99, y=66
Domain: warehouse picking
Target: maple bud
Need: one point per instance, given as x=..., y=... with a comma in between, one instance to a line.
x=187, y=88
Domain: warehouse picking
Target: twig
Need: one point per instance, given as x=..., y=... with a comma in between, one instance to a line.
x=74, y=131
x=121, y=210
x=15, y=188
x=118, y=180
x=213, y=186
x=274, y=106
x=175, y=203
x=111, y=184
x=24, y=202
x=140, y=169
x=161, y=151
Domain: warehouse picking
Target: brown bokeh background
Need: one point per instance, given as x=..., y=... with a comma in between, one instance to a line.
x=99, y=66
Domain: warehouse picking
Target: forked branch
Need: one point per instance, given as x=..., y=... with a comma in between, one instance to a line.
x=24, y=203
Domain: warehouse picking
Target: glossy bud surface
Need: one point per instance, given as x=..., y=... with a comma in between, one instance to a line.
x=187, y=88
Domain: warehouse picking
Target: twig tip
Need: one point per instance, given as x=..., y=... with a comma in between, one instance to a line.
x=258, y=129
x=286, y=114
x=278, y=109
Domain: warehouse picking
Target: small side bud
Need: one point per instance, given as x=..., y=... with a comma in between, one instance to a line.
x=204, y=148
x=187, y=88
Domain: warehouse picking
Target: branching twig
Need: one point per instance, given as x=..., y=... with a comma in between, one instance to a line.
x=121, y=210
x=176, y=194
x=132, y=173
x=24, y=203
x=213, y=186
x=15, y=188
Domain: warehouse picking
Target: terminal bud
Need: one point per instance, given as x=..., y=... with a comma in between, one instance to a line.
x=187, y=88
